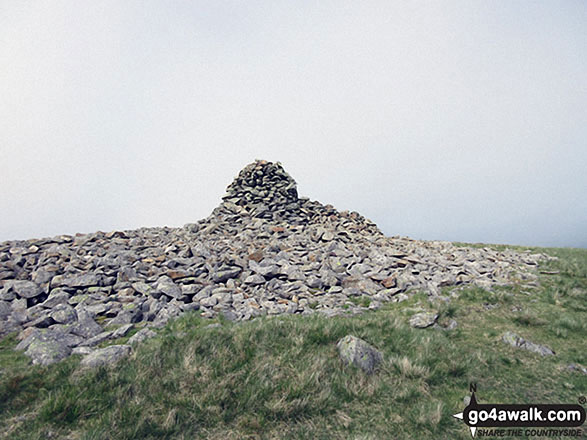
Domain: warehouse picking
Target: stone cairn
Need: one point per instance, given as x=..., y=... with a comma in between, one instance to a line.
x=263, y=251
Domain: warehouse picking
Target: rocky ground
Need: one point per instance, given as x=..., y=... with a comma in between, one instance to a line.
x=264, y=250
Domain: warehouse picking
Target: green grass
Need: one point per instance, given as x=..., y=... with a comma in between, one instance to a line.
x=281, y=377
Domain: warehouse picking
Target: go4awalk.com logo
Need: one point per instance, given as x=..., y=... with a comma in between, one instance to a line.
x=544, y=420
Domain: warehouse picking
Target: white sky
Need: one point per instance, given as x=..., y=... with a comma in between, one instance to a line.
x=453, y=120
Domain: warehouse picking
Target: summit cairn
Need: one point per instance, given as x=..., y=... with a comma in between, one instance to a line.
x=263, y=251
x=266, y=189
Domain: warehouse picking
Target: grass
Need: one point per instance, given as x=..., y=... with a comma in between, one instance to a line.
x=280, y=377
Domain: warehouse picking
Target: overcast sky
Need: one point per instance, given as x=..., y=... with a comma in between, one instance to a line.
x=449, y=120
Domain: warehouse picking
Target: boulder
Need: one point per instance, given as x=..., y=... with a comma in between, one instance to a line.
x=105, y=356
x=423, y=319
x=355, y=351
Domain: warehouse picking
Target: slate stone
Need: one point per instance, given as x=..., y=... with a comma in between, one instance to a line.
x=56, y=297
x=26, y=289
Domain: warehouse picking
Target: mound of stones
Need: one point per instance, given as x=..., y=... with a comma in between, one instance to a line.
x=262, y=251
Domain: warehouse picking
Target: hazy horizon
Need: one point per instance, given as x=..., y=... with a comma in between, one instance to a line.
x=447, y=120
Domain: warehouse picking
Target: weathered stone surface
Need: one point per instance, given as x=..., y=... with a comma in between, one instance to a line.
x=355, y=351
x=514, y=340
x=225, y=274
x=262, y=251
x=122, y=331
x=46, y=349
x=98, y=339
x=168, y=287
x=423, y=319
x=82, y=280
x=141, y=336
x=105, y=356
x=5, y=310
x=63, y=314
x=86, y=327
x=26, y=289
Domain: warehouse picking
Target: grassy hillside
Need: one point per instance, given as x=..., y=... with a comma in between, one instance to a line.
x=281, y=377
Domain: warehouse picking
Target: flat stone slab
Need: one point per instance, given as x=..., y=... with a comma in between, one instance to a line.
x=355, y=351
x=516, y=341
x=106, y=356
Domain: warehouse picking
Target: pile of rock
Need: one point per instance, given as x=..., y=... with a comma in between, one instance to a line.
x=263, y=251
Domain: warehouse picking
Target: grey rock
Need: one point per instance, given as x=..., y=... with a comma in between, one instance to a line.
x=82, y=280
x=423, y=319
x=168, y=287
x=263, y=251
x=255, y=279
x=47, y=349
x=6, y=294
x=225, y=274
x=5, y=310
x=26, y=289
x=98, y=339
x=121, y=332
x=105, y=356
x=514, y=340
x=56, y=297
x=142, y=288
x=355, y=351
x=81, y=350
x=85, y=326
x=141, y=336
x=63, y=314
